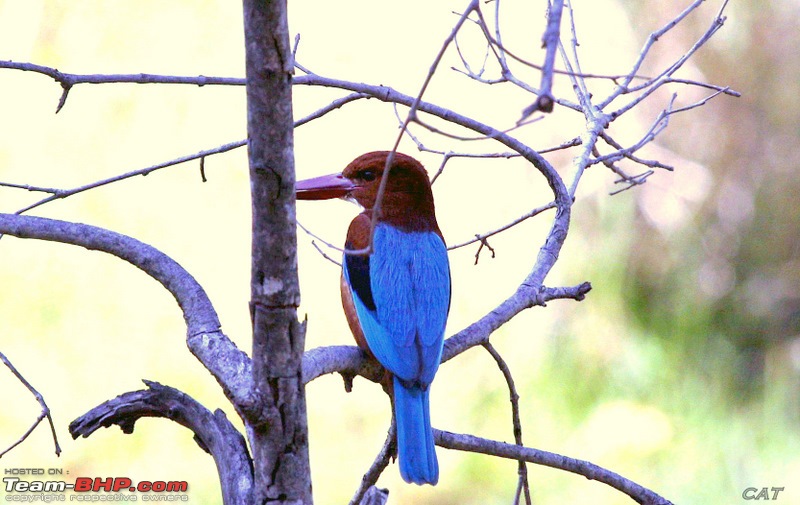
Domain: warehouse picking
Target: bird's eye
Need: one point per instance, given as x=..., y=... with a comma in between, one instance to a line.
x=368, y=175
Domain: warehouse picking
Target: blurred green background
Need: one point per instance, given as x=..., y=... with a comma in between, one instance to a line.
x=680, y=370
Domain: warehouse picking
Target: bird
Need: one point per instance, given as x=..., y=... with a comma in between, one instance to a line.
x=396, y=290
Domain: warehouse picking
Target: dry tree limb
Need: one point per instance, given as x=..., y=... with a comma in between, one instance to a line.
x=471, y=443
x=212, y=432
x=219, y=355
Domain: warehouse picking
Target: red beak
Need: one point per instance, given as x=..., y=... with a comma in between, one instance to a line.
x=324, y=187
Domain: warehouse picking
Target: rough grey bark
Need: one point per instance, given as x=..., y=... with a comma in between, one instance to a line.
x=277, y=428
x=212, y=432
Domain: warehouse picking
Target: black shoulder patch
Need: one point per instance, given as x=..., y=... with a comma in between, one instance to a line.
x=358, y=273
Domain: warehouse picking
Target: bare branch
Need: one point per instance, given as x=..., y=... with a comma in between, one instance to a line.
x=651, y=40
x=589, y=470
x=347, y=360
x=57, y=194
x=576, y=75
x=483, y=236
x=629, y=155
x=230, y=366
x=44, y=413
x=324, y=255
x=350, y=360
x=624, y=178
x=326, y=243
x=660, y=124
x=651, y=85
x=67, y=80
x=375, y=496
x=387, y=94
x=212, y=432
x=523, y=486
x=632, y=181
x=550, y=41
x=525, y=297
x=339, y=102
x=705, y=100
x=203, y=169
x=595, y=125
x=412, y=113
x=460, y=138
x=28, y=187
x=689, y=82
x=64, y=193
x=467, y=67
x=382, y=460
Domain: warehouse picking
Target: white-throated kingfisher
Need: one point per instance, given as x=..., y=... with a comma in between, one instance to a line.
x=396, y=297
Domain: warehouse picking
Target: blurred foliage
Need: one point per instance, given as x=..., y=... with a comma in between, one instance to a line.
x=710, y=272
x=741, y=248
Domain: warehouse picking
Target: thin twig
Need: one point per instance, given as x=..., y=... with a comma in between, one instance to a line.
x=375, y=470
x=651, y=40
x=484, y=243
x=319, y=250
x=703, y=101
x=45, y=413
x=659, y=124
x=447, y=156
x=28, y=187
x=689, y=82
x=616, y=145
x=64, y=193
x=573, y=67
x=317, y=237
x=68, y=80
x=203, y=169
x=483, y=236
x=460, y=138
x=339, y=102
x=496, y=43
x=57, y=194
x=453, y=136
x=523, y=485
x=632, y=181
x=412, y=112
x=650, y=86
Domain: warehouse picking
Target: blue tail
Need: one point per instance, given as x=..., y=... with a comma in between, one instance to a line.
x=415, y=448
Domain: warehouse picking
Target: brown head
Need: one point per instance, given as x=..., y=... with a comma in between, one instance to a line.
x=407, y=201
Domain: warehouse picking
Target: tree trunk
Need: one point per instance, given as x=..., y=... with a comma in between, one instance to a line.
x=277, y=428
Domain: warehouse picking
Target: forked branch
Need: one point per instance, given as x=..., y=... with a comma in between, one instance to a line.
x=45, y=413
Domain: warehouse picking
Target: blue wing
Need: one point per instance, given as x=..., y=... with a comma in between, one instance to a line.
x=402, y=296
